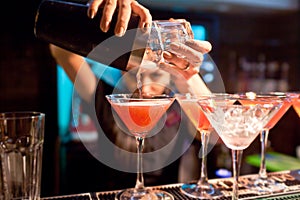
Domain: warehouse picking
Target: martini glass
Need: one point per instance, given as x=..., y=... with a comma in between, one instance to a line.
x=202, y=189
x=238, y=126
x=140, y=115
x=296, y=102
x=263, y=183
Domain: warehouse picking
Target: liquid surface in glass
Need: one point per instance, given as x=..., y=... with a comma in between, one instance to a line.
x=141, y=116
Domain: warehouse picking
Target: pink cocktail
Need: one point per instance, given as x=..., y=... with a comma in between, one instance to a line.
x=195, y=114
x=262, y=183
x=190, y=105
x=296, y=102
x=140, y=115
x=202, y=189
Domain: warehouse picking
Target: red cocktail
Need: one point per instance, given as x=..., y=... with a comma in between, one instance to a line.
x=202, y=189
x=296, y=102
x=140, y=115
x=263, y=184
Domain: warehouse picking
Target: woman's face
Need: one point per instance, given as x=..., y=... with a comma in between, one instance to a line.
x=155, y=81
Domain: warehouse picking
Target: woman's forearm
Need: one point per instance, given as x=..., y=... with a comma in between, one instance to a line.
x=78, y=70
x=194, y=85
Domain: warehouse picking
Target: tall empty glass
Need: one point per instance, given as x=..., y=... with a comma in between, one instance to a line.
x=21, y=149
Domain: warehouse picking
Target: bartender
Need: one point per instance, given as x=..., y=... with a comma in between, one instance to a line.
x=97, y=176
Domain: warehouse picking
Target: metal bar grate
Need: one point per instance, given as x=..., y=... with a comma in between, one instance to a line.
x=290, y=178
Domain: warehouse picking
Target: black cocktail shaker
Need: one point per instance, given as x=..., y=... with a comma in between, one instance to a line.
x=67, y=25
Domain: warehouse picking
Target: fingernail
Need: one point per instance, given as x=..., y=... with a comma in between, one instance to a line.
x=91, y=13
x=146, y=26
x=105, y=27
x=167, y=55
x=120, y=32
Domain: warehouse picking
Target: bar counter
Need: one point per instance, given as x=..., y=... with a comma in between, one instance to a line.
x=290, y=178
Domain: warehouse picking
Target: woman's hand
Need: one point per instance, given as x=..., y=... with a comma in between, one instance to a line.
x=188, y=58
x=184, y=66
x=125, y=8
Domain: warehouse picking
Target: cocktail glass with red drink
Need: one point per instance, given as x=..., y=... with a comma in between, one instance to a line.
x=140, y=115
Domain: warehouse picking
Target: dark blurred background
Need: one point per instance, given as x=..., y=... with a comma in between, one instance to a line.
x=244, y=34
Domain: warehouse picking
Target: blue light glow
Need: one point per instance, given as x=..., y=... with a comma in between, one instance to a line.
x=64, y=100
x=199, y=32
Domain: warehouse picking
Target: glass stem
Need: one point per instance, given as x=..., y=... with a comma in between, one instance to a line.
x=236, y=165
x=204, y=142
x=139, y=185
x=263, y=140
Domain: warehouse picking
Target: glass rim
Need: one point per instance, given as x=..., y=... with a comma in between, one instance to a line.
x=265, y=97
x=293, y=94
x=133, y=96
x=264, y=104
x=275, y=94
x=216, y=94
x=12, y=115
x=196, y=97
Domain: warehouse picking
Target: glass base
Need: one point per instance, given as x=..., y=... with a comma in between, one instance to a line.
x=266, y=186
x=146, y=194
x=200, y=191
